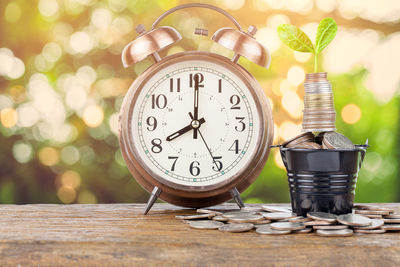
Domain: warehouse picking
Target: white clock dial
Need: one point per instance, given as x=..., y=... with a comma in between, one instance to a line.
x=183, y=149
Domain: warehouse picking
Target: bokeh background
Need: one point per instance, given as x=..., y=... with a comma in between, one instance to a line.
x=62, y=84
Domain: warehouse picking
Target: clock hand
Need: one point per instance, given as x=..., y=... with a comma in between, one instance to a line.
x=186, y=129
x=197, y=79
x=205, y=143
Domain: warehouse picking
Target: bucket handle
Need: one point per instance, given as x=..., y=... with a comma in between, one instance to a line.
x=283, y=154
x=361, y=149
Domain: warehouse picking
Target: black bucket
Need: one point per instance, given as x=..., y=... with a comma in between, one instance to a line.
x=322, y=179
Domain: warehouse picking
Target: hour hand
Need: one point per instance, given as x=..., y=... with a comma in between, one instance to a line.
x=184, y=130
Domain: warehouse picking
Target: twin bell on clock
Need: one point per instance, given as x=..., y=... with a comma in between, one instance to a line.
x=195, y=127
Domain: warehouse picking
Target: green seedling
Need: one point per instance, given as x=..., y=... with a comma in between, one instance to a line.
x=299, y=41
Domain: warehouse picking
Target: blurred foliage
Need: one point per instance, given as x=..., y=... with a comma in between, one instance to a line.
x=62, y=84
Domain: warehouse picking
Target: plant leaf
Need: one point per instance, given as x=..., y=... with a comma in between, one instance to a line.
x=295, y=38
x=326, y=31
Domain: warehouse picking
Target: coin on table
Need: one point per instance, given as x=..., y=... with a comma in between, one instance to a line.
x=260, y=225
x=354, y=220
x=303, y=231
x=335, y=140
x=278, y=215
x=236, y=227
x=246, y=218
x=299, y=219
x=372, y=212
x=373, y=216
x=251, y=209
x=312, y=223
x=267, y=230
x=292, y=226
x=330, y=227
x=205, y=224
x=220, y=218
x=391, y=227
x=273, y=208
x=237, y=213
x=322, y=216
x=195, y=217
x=374, y=225
x=392, y=216
x=391, y=220
x=372, y=231
x=371, y=207
x=265, y=221
x=335, y=233
x=206, y=211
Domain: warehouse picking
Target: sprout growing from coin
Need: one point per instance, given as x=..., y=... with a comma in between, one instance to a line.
x=297, y=40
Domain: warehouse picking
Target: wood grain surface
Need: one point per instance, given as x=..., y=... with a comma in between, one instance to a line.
x=119, y=235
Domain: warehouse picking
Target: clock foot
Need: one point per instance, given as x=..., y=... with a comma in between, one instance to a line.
x=153, y=197
x=236, y=196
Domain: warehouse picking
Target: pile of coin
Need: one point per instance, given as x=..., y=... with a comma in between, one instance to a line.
x=279, y=220
x=324, y=140
x=319, y=113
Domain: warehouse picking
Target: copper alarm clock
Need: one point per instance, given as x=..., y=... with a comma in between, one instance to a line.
x=195, y=127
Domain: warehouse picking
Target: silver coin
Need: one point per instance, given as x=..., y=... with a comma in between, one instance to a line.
x=205, y=224
x=373, y=231
x=195, y=217
x=337, y=141
x=374, y=225
x=267, y=230
x=372, y=212
x=330, y=227
x=236, y=227
x=371, y=207
x=260, y=225
x=312, y=223
x=373, y=216
x=237, y=213
x=299, y=219
x=391, y=220
x=273, y=208
x=391, y=227
x=322, y=216
x=303, y=231
x=246, y=218
x=335, y=233
x=220, y=218
x=251, y=209
x=354, y=220
x=392, y=216
x=279, y=215
x=265, y=221
x=206, y=211
x=287, y=226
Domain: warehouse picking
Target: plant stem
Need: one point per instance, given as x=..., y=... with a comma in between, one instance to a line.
x=315, y=63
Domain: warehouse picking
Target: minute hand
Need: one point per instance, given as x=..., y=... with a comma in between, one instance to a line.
x=197, y=80
x=183, y=130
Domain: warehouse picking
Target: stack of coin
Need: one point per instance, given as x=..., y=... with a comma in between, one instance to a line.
x=279, y=220
x=319, y=113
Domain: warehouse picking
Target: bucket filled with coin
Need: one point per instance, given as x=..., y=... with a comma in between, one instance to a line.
x=322, y=165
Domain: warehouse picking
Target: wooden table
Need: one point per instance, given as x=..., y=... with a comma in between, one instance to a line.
x=119, y=235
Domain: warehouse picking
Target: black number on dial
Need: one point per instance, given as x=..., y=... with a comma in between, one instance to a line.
x=152, y=123
x=235, y=146
x=218, y=164
x=178, y=85
x=173, y=164
x=156, y=148
x=159, y=101
x=242, y=126
x=194, y=169
x=198, y=78
x=235, y=100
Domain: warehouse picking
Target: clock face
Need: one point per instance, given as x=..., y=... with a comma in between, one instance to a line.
x=195, y=123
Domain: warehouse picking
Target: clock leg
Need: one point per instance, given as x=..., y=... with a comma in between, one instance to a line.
x=153, y=197
x=236, y=196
